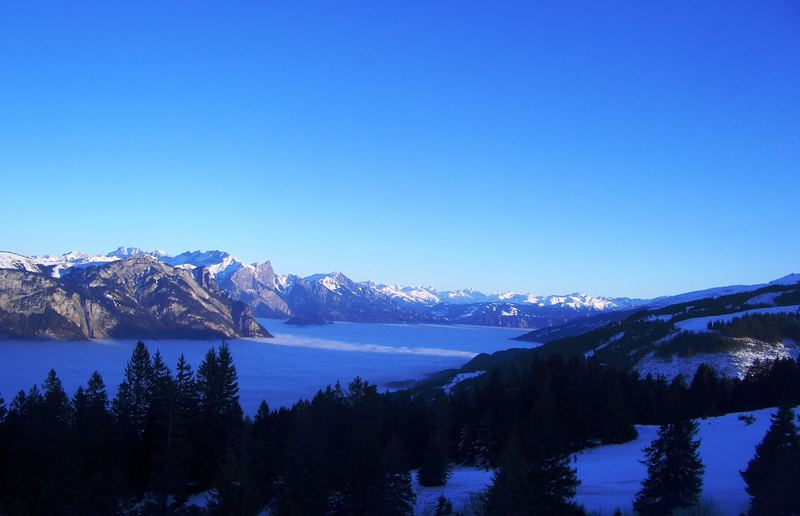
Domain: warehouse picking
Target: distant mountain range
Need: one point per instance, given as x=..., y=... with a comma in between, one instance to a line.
x=335, y=297
x=136, y=297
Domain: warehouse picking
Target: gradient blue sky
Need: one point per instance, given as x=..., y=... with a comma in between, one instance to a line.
x=621, y=149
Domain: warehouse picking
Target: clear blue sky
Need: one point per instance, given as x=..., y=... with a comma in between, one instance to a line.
x=621, y=149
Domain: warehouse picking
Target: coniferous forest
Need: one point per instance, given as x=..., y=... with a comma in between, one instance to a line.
x=171, y=431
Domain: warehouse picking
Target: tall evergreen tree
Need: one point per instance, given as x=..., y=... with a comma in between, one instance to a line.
x=435, y=467
x=397, y=497
x=544, y=486
x=218, y=401
x=161, y=419
x=772, y=474
x=132, y=403
x=674, y=470
x=229, y=384
x=185, y=428
x=131, y=410
x=703, y=392
x=96, y=457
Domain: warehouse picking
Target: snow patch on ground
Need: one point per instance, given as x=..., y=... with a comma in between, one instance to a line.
x=613, y=339
x=700, y=324
x=464, y=483
x=662, y=318
x=732, y=364
x=460, y=377
x=767, y=298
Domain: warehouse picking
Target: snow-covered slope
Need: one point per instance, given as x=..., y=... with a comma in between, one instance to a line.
x=56, y=266
x=733, y=363
x=611, y=475
x=700, y=324
x=18, y=262
x=789, y=279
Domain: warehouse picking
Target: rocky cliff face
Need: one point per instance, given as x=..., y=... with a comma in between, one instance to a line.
x=255, y=286
x=137, y=297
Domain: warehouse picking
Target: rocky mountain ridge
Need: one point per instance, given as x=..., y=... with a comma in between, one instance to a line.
x=335, y=297
x=135, y=297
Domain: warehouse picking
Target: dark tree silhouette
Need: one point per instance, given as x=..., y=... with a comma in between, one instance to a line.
x=674, y=470
x=772, y=474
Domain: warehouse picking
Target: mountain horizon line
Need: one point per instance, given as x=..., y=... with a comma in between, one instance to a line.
x=224, y=259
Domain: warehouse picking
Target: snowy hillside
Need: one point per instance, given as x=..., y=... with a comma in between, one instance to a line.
x=735, y=361
x=18, y=262
x=611, y=475
x=789, y=279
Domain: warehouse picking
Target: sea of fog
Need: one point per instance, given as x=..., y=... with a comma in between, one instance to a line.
x=293, y=365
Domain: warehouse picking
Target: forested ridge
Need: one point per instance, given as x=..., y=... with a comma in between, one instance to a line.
x=626, y=342
x=171, y=432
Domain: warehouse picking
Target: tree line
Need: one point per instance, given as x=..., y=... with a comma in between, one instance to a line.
x=168, y=434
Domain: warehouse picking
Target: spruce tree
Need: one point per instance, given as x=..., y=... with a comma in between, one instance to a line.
x=397, y=497
x=185, y=428
x=160, y=428
x=132, y=403
x=229, y=384
x=772, y=474
x=131, y=410
x=96, y=460
x=702, y=392
x=674, y=470
x=218, y=401
x=542, y=486
x=435, y=467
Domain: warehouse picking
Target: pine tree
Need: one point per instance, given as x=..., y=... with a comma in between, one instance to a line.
x=544, y=486
x=218, y=401
x=185, y=427
x=132, y=403
x=160, y=428
x=674, y=470
x=702, y=392
x=96, y=456
x=397, y=497
x=435, y=467
x=56, y=402
x=229, y=384
x=131, y=410
x=772, y=474
x=186, y=387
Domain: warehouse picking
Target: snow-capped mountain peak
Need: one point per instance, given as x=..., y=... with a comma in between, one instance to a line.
x=334, y=281
x=125, y=252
